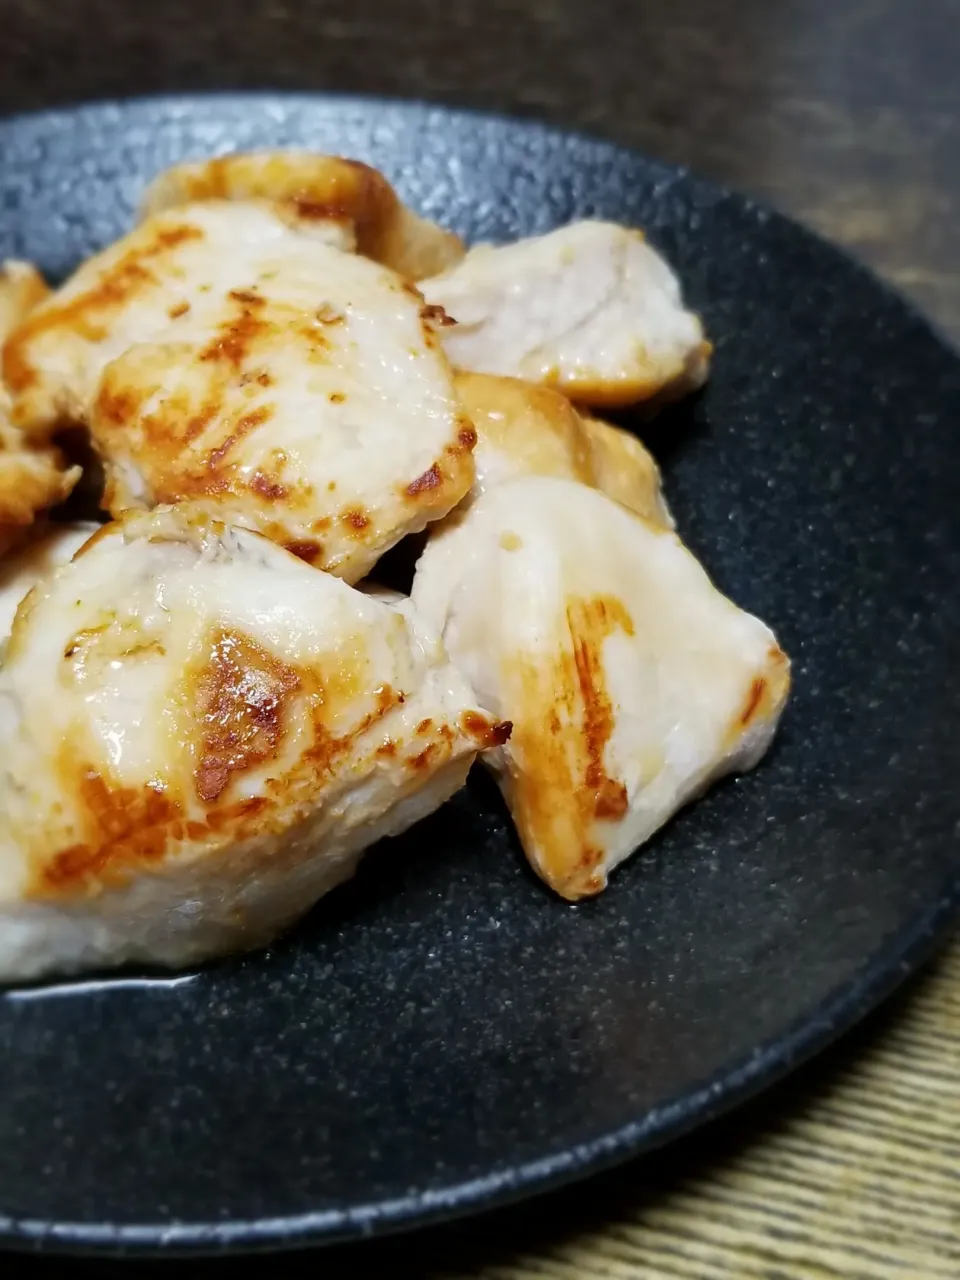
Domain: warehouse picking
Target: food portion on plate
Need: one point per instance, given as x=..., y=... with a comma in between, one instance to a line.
x=211, y=710
x=34, y=474
x=222, y=358
x=200, y=736
x=631, y=683
x=590, y=309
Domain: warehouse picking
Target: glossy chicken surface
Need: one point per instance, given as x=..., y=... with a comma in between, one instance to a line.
x=590, y=309
x=631, y=682
x=525, y=429
x=311, y=191
x=198, y=736
x=221, y=358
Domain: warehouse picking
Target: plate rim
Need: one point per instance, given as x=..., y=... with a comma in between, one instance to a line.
x=903, y=953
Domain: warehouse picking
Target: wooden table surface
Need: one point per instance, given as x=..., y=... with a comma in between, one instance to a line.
x=847, y=114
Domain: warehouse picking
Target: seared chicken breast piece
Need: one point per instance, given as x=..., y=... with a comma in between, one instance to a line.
x=49, y=547
x=222, y=358
x=590, y=309
x=198, y=736
x=525, y=429
x=631, y=682
x=309, y=191
x=33, y=476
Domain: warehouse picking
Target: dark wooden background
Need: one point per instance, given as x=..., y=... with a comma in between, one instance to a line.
x=843, y=112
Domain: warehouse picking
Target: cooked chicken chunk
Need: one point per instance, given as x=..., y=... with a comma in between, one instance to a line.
x=198, y=736
x=525, y=429
x=220, y=357
x=32, y=476
x=590, y=309
x=54, y=546
x=631, y=682
x=308, y=190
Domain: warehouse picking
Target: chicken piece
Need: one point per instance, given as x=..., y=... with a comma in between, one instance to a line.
x=525, y=429
x=31, y=477
x=54, y=546
x=22, y=287
x=198, y=736
x=631, y=682
x=220, y=357
x=590, y=309
x=306, y=189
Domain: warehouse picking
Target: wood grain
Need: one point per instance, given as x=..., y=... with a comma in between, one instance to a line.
x=847, y=114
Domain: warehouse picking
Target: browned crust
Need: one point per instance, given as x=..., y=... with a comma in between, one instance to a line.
x=563, y=717
x=306, y=188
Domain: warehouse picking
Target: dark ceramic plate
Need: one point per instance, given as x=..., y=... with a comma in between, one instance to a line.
x=444, y=1035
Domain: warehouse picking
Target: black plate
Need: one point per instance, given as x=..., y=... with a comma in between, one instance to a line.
x=444, y=1035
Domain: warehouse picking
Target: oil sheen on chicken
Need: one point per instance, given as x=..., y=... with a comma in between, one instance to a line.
x=198, y=736
x=590, y=309
x=221, y=358
x=631, y=682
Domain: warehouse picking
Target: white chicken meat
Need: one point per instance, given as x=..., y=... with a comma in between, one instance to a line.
x=221, y=358
x=590, y=309
x=630, y=681
x=198, y=736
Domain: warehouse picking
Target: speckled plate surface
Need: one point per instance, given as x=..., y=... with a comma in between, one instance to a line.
x=443, y=1035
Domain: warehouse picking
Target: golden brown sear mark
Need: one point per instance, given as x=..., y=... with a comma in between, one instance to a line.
x=266, y=487
x=242, y=695
x=355, y=520
x=564, y=719
x=754, y=698
x=236, y=336
x=310, y=552
x=243, y=426
x=430, y=479
x=124, y=825
x=486, y=732
x=122, y=280
x=433, y=313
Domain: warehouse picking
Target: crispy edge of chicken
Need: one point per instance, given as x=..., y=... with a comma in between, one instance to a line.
x=32, y=477
x=307, y=188
x=527, y=429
